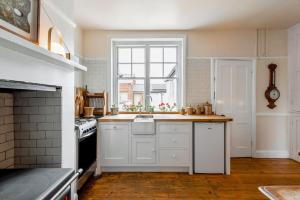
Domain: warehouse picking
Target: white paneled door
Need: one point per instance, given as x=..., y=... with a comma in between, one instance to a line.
x=233, y=97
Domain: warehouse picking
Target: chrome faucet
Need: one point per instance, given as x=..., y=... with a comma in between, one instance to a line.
x=150, y=102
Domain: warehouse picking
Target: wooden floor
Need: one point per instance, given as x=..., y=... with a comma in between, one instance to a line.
x=247, y=175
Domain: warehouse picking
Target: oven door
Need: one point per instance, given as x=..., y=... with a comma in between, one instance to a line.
x=87, y=150
x=86, y=156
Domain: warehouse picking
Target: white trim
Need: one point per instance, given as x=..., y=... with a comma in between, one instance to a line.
x=234, y=58
x=253, y=116
x=145, y=37
x=212, y=83
x=265, y=114
x=183, y=72
x=220, y=58
x=271, y=154
x=145, y=169
x=272, y=57
x=95, y=58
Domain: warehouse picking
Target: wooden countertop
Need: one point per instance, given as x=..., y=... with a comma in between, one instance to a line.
x=167, y=117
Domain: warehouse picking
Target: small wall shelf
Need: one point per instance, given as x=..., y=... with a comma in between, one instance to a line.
x=25, y=47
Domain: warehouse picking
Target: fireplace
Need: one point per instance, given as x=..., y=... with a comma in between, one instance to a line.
x=30, y=125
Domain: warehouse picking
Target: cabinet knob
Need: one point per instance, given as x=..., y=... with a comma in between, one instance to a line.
x=298, y=153
x=153, y=150
x=174, y=156
x=114, y=127
x=173, y=140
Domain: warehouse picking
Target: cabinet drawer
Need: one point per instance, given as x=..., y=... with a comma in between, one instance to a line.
x=173, y=140
x=174, y=128
x=115, y=127
x=173, y=156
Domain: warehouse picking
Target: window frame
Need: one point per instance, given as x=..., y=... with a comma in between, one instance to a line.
x=147, y=44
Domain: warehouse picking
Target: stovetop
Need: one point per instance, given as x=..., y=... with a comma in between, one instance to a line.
x=84, y=126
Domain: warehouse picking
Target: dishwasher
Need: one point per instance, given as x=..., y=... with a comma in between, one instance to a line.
x=209, y=148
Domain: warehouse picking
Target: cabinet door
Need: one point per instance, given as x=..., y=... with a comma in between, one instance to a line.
x=114, y=148
x=293, y=138
x=296, y=129
x=143, y=150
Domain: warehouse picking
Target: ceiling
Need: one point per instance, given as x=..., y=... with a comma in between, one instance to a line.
x=186, y=14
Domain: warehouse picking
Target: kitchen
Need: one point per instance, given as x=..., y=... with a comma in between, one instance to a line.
x=149, y=99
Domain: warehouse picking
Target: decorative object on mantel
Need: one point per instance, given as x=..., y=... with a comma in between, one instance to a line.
x=272, y=93
x=20, y=17
x=56, y=43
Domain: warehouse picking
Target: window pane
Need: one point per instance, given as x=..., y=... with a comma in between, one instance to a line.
x=170, y=54
x=138, y=55
x=156, y=54
x=156, y=70
x=138, y=70
x=169, y=70
x=132, y=94
x=164, y=91
x=124, y=55
x=124, y=70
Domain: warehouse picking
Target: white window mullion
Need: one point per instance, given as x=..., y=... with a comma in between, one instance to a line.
x=115, y=88
x=147, y=80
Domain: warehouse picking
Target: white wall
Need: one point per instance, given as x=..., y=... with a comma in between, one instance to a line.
x=201, y=46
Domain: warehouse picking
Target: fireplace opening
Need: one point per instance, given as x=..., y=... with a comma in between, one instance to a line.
x=30, y=126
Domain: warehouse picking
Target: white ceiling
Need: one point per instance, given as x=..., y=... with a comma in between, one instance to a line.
x=186, y=14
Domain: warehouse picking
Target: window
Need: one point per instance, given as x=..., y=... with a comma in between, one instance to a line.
x=147, y=74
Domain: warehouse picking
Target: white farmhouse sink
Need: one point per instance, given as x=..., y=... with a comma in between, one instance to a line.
x=143, y=125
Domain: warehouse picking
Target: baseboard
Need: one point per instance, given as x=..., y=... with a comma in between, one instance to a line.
x=271, y=154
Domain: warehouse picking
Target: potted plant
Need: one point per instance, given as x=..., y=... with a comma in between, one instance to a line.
x=114, y=110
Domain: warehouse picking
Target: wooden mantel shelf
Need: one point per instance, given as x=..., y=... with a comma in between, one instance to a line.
x=25, y=47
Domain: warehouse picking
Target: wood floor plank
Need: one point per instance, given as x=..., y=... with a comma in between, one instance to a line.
x=247, y=175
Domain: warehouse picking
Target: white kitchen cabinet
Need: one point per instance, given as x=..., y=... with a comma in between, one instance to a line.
x=175, y=143
x=209, y=153
x=144, y=150
x=173, y=156
x=114, y=144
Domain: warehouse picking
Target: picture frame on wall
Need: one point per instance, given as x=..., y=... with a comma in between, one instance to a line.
x=21, y=17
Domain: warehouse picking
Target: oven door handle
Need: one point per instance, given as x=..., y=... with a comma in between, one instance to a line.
x=87, y=135
x=66, y=185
